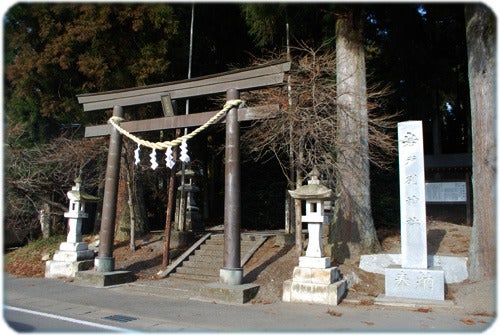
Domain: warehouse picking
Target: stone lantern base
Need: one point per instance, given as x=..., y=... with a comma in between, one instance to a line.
x=314, y=281
x=69, y=259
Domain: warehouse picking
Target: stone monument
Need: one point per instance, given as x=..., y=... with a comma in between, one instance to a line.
x=314, y=280
x=73, y=255
x=413, y=278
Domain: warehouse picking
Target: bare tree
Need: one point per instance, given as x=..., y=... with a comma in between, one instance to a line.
x=304, y=129
x=39, y=177
x=305, y=134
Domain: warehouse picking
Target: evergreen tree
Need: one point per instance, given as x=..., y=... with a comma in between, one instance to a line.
x=58, y=50
x=481, y=43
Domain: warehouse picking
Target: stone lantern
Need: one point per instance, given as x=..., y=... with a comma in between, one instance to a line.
x=314, y=195
x=73, y=255
x=314, y=280
x=187, y=216
x=77, y=200
x=187, y=213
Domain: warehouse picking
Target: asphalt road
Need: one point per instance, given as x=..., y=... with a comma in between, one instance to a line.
x=23, y=320
x=140, y=307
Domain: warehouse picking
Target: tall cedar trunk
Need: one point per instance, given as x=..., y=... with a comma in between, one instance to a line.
x=353, y=231
x=481, y=41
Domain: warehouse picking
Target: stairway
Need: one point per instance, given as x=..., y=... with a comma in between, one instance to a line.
x=206, y=261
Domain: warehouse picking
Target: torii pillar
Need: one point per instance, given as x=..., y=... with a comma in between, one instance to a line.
x=104, y=273
x=230, y=288
x=105, y=262
x=231, y=273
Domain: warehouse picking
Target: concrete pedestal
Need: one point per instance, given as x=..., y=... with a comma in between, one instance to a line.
x=104, y=264
x=414, y=283
x=315, y=285
x=231, y=276
x=231, y=294
x=454, y=267
x=101, y=279
x=69, y=259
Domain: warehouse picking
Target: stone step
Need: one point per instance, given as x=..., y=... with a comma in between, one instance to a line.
x=244, y=237
x=211, y=249
x=210, y=256
x=203, y=252
x=203, y=261
x=220, y=243
x=216, y=247
x=204, y=258
x=202, y=265
x=206, y=261
x=204, y=271
x=203, y=278
x=244, y=248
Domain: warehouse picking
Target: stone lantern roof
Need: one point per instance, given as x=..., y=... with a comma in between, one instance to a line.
x=188, y=173
x=78, y=194
x=313, y=189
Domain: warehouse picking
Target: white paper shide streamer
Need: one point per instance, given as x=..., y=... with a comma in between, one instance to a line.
x=184, y=152
x=137, y=154
x=169, y=158
x=154, y=164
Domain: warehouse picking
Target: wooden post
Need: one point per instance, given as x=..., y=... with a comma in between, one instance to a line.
x=170, y=206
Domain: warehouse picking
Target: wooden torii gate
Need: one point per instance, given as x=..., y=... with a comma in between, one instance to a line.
x=231, y=83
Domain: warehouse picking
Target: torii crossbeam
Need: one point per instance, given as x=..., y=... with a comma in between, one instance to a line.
x=231, y=83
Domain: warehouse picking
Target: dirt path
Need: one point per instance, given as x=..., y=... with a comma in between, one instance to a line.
x=272, y=265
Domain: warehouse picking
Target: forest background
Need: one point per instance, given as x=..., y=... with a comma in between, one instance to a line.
x=53, y=52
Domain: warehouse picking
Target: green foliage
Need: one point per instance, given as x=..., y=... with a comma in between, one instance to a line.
x=264, y=20
x=56, y=51
x=426, y=64
x=310, y=23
